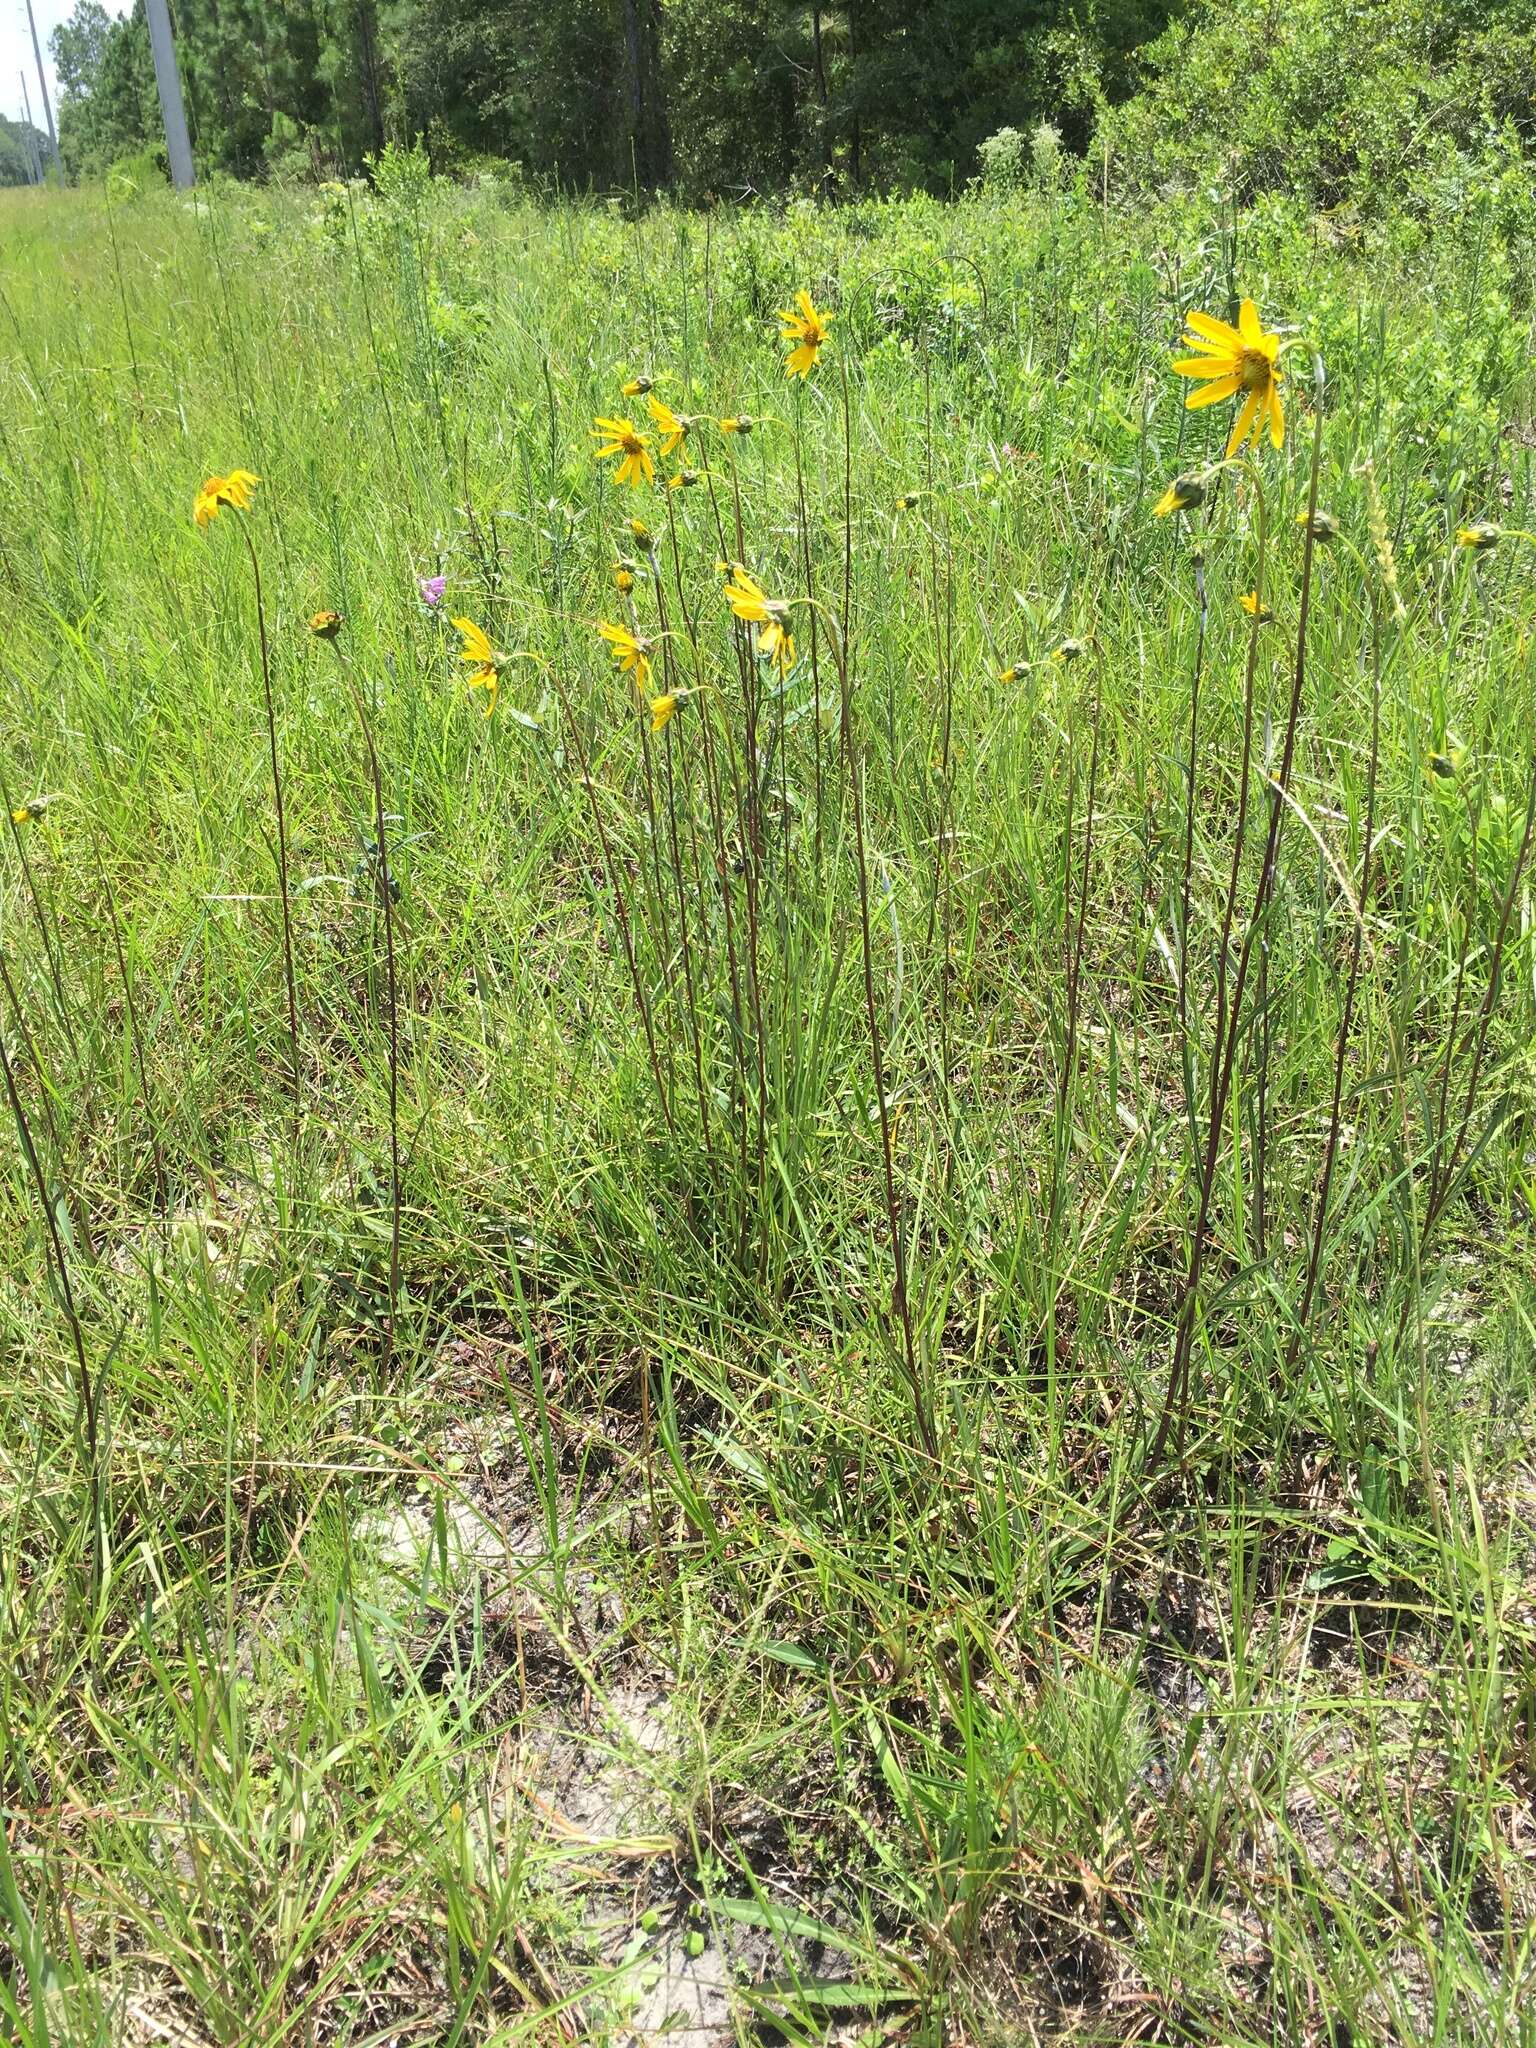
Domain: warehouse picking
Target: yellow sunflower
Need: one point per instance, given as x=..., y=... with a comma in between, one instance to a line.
x=634, y=451
x=234, y=489
x=671, y=427
x=1241, y=361
x=483, y=659
x=632, y=652
x=749, y=601
x=807, y=329
x=1182, y=495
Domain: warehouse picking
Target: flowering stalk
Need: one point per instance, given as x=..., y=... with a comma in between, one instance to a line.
x=47, y=924
x=622, y=901
x=1175, y=1410
x=88, y=1391
x=840, y=652
x=750, y=882
x=716, y=802
x=136, y=1036
x=279, y=810
x=386, y=890
x=1346, y=1020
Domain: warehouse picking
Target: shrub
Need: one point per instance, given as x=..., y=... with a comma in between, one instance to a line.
x=1002, y=160
x=1337, y=102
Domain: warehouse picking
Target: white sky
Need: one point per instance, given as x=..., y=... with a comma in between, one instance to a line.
x=16, y=51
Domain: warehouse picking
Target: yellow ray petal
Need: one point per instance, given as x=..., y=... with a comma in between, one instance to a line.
x=1248, y=325
x=1276, y=417
x=1245, y=420
x=1205, y=345
x=476, y=648
x=1204, y=366
x=1212, y=394
x=1213, y=329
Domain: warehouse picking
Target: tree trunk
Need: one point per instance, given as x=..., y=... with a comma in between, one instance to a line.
x=855, y=137
x=649, y=129
x=368, y=50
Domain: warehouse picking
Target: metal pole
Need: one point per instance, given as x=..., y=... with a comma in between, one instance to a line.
x=34, y=168
x=168, y=79
x=42, y=79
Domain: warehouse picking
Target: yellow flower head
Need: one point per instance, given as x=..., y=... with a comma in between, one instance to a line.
x=807, y=329
x=484, y=662
x=909, y=501
x=745, y=595
x=642, y=535
x=325, y=625
x=738, y=423
x=624, y=578
x=1014, y=673
x=662, y=708
x=637, y=387
x=1250, y=604
x=633, y=450
x=1236, y=362
x=234, y=489
x=1182, y=495
x=685, y=479
x=630, y=650
x=671, y=427
x=1072, y=650
x=28, y=813
x=750, y=602
x=1321, y=525
x=730, y=569
x=1479, y=538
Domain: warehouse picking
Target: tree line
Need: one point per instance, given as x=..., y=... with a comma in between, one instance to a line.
x=24, y=152
x=717, y=97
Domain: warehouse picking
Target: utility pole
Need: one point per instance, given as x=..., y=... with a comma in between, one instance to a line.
x=168, y=81
x=33, y=166
x=42, y=79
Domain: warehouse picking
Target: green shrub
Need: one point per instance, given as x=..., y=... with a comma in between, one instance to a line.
x=1334, y=102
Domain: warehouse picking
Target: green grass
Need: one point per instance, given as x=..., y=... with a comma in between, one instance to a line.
x=480, y=1508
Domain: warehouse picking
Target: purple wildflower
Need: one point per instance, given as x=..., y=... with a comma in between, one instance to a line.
x=431, y=588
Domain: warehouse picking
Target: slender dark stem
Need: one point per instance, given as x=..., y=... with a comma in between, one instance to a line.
x=162, y=1185
x=616, y=884
x=1076, y=925
x=386, y=891
x=747, y=824
x=716, y=801
x=45, y=1087
x=1176, y=1401
x=687, y=947
x=1189, y=795
x=46, y=924
x=290, y=984
x=88, y=1390
x=1347, y=1018
x=810, y=592
x=1447, y=1179
x=853, y=760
